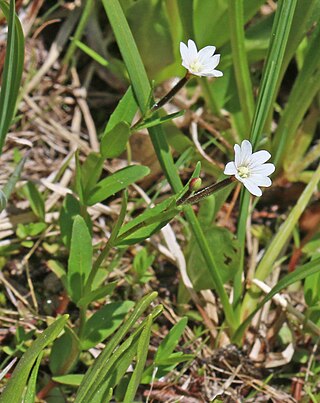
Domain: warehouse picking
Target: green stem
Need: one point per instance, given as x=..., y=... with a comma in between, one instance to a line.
x=269, y=258
x=214, y=107
x=240, y=62
x=206, y=191
x=142, y=90
x=212, y=265
x=180, y=84
x=89, y=4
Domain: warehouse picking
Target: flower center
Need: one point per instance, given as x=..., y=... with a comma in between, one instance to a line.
x=244, y=172
x=196, y=66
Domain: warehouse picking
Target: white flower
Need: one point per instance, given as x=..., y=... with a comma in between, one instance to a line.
x=250, y=168
x=202, y=63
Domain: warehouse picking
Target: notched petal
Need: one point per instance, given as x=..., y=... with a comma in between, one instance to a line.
x=230, y=169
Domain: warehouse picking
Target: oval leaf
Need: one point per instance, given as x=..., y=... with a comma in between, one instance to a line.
x=80, y=259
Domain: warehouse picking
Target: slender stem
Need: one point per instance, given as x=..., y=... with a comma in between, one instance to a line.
x=89, y=5
x=158, y=105
x=171, y=93
x=240, y=62
x=206, y=191
x=82, y=320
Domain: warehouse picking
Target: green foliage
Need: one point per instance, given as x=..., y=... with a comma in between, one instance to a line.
x=12, y=70
x=35, y=199
x=302, y=272
x=227, y=255
x=14, y=389
x=165, y=359
x=113, y=142
x=32, y=384
x=64, y=352
x=141, y=263
x=104, y=323
x=114, y=183
x=287, y=37
x=80, y=259
x=101, y=376
x=147, y=223
x=69, y=210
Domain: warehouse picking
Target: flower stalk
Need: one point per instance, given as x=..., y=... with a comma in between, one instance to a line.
x=205, y=192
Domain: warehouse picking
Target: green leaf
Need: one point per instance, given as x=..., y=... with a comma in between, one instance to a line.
x=153, y=121
x=91, y=171
x=114, y=142
x=265, y=103
x=170, y=342
x=305, y=87
x=312, y=289
x=124, y=112
x=116, y=369
x=32, y=384
x=15, y=176
x=64, y=353
x=97, y=294
x=114, y=183
x=103, y=323
x=227, y=257
x=90, y=52
x=142, y=352
x=147, y=223
x=300, y=273
x=12, y=70
x=70, y=379
x=13, y=391
x=142, y=89
x=80, y=259
x=148, y=19
x=98, y=371
x=78, y=178
x=35, y=199
x=70, y=209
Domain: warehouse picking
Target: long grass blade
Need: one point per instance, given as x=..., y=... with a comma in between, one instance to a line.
x=12, y=71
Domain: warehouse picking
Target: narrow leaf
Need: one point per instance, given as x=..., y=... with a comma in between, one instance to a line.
x=80, y=259
x=114, y=142
x=14, y=389
x=103, y=323
x=114, y=183
x=142, y=352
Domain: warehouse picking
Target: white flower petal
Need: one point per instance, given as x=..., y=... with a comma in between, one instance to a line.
x=210, y=74
x=193, y=51
x=230, y=169
x=185, y=55
x=213, y=61
x=246, y=152
x=206, y=53
x=265, y=169
x=259, y=157
x=238, y=177
x=217, y=73
x=237, y=155
x=252, y=187
x=261, y=180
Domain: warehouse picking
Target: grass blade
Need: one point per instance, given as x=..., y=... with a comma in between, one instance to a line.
x=142, y=352
x=12, y=71
x=299, y=274
x=14, y=390
x=267, y=262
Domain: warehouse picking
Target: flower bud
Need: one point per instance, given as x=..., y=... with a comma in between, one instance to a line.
x=195, y=184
